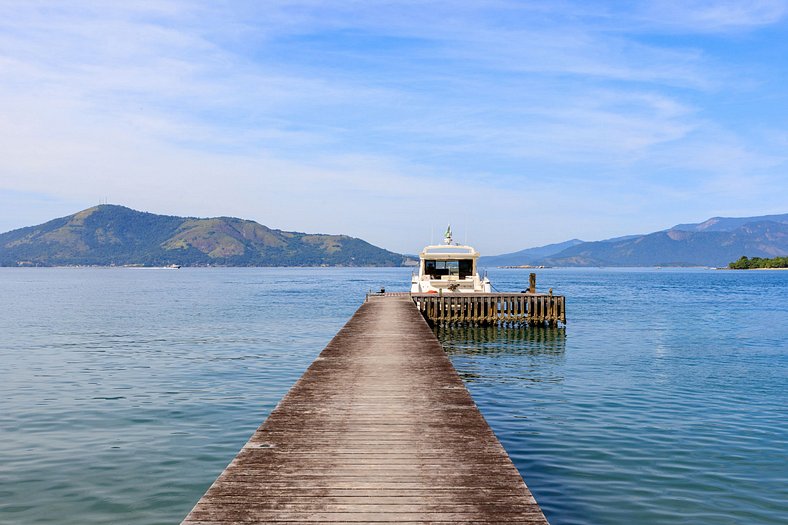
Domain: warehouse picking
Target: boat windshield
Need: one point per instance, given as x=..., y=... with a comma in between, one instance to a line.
x=462, y=268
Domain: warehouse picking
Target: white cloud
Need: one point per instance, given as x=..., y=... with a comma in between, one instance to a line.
x=712, y=15
x=369, y=119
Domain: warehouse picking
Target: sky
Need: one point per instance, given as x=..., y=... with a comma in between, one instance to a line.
x=520, y=123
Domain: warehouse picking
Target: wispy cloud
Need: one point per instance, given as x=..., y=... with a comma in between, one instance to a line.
x=697, y=16
x=357, y=117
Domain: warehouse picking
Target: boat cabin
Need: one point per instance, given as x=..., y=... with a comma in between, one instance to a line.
x=447, y=268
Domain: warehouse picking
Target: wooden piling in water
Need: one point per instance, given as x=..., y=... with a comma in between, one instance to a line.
x=492, y=308
x=379, y=429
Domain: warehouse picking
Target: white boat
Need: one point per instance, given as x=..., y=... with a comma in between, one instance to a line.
x=449, y=268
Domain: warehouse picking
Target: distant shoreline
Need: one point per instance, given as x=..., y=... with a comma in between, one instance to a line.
x=207, y=267
x=751, y=269
x=133, y=267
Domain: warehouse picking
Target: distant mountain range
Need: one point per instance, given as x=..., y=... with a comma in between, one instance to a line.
x=115, y=235
x=714, y=242
x=529, y=256
x=729, y=224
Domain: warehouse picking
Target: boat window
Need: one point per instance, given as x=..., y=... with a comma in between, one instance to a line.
x=436, y=269
x=466, y=268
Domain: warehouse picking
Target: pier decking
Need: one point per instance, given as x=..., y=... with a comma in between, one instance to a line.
x=379, y=429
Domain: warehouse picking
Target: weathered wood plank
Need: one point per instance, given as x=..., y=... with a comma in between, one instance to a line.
x=491, y=308
x=380, y=429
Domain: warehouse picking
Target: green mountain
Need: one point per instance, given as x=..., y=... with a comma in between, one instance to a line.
x=115, y=235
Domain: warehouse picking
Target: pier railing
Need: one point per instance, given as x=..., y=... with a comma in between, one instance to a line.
x=488, y=308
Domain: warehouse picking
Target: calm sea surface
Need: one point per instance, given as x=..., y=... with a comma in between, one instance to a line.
x=125, y=392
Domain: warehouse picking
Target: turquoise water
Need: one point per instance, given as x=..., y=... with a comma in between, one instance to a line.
x=123, y=393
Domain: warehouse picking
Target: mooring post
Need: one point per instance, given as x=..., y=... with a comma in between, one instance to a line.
x=532, y=283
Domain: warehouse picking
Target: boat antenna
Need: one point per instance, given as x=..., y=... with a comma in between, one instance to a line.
x=447, y=236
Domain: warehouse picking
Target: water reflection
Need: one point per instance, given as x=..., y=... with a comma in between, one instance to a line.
x=497, y=340
x=496, y=355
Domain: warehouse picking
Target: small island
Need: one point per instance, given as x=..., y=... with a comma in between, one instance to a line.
x=758, y=263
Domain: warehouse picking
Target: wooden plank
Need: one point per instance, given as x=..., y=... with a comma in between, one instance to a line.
x=380, y=428
x=489, y=308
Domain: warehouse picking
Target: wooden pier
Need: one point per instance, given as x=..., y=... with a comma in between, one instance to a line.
x=486, y=309
x=493, y=308
x=379, y=429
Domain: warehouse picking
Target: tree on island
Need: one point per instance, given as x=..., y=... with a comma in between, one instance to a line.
x=745, y=263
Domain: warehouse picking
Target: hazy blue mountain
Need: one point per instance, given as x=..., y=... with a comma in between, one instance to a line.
x=728, y=224
x=529, y=256
x=676, y=247
x=115, y=235
x=623, y=237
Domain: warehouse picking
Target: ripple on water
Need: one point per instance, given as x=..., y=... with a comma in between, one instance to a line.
x=123, y=394
x=662, y=407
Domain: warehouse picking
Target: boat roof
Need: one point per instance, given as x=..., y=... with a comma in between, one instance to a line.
x=448, y=251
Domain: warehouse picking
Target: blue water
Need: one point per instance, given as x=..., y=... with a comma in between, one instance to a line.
x=123, y=392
